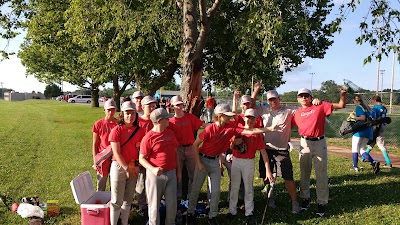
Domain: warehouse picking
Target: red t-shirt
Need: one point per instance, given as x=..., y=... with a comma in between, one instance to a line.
x=311, y=120
x=103, y=128
x=216, y=139
x=253, y=143
x=210, y=102
x=160, y=149
x=147, y=125
x=240, y=121
x=129, y=151
x=185, y=128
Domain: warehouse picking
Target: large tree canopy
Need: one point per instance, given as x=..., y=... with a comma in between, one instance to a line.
x=143, y=43
x=261, y=40
x=50, y=52
x=112, y=41
x=237, y=40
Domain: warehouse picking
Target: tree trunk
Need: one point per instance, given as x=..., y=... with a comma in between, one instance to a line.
x=191, y=86
x=193, y=46
x=95, y=95
x=192, y=69
x=116, y=93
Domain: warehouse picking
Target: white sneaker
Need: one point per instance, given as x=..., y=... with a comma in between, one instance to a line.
x=355, y=169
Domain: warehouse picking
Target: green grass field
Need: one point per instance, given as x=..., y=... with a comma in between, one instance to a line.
x=45, y=144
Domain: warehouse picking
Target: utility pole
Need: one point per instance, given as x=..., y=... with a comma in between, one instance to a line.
x=2, y=90
x=312, y=75
x=382, y=73
x=379, y=62
x=391, y=85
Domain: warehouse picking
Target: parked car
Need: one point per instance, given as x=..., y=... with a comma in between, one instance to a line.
x=81, y=99
x=68, y=96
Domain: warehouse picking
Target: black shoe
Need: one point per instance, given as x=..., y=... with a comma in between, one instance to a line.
x=375, y=166
x=213, y=221
x=230, y=217
x=250, y=220
x=305, y=204
x=190, y=220
x=321, y=210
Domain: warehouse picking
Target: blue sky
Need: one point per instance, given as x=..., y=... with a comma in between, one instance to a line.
x=344, y=60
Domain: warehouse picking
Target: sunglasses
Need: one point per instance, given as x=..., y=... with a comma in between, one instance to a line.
x=303, y=96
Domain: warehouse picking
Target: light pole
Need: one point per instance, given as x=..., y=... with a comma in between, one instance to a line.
x=312, y=75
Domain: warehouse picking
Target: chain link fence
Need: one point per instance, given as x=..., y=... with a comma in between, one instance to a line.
x=333, y=123
x=393, y=107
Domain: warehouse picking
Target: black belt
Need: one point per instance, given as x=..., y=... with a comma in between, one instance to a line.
x=208, y=157
x=313, y=138
x=184, y=146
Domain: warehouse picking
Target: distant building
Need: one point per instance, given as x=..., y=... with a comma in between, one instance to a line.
x=166, y=94
x=16, y=96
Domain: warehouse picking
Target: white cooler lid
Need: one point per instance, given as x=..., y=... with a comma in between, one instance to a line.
x=82, y=187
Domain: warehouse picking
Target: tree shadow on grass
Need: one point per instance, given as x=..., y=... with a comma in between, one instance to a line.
x=346, y=196
x=348, y=193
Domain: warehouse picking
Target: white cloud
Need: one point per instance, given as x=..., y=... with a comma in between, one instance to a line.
x=305, y=66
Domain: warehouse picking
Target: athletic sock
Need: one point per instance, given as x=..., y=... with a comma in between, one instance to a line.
x=368, y=150
x=355, y=159
x=386, y=156
x=367, y=157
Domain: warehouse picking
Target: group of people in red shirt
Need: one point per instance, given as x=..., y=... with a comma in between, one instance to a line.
x=150, y=143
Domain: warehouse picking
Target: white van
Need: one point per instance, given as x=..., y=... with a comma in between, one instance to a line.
x=81, y=99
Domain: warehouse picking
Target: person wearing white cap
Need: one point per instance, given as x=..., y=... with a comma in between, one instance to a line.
x=246, y=102
x=101, y=129
x=149, y=105
x=158, y=155
x=277, y=145
x=310, y=120
x=186, y=124
x=137, y=97
x=244, y=150
x=215, y=139
x=124, y=139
